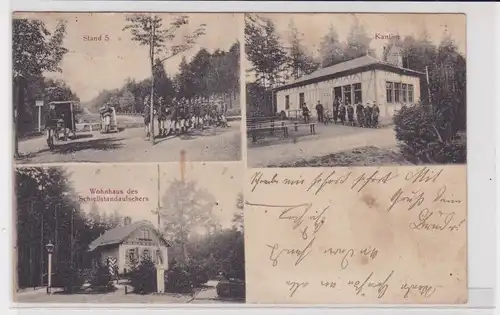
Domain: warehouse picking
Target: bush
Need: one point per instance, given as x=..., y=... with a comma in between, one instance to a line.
x=69, y=277
x=143, y=277
x=178, y=278
x=100, y=279
x=426, y=136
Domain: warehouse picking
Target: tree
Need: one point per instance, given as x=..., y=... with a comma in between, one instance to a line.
x=164, y=86
x=35, y=50
x=264, y=51
x=238, y=217
x=331, y=51
x=299, y=61
x=127, y=101
x=358, y=42
x=186, y=209
x=147, y=30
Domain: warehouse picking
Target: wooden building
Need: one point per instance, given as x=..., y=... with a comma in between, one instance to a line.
x=364, y=79
x=129, y=243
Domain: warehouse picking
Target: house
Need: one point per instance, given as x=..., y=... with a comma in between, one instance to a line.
x=129, y=243
x=364, y=79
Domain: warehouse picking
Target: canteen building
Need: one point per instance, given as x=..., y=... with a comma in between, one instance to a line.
x=364, y=79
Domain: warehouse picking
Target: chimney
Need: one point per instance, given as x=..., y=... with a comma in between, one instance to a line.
x=127, y=220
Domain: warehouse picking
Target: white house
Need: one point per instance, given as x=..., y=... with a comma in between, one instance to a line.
x=364, y=79
x=130, y=243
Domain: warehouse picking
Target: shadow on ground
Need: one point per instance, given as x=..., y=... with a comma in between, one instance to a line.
x=365, y=156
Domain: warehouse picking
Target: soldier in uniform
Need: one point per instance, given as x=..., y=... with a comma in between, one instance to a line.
x=320, y=111
x=350, y=114
x=342, y=112
x=360, y=114
x=368, y=115
x=375, y=114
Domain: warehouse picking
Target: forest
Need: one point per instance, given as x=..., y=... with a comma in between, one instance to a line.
x=208, y=75
x=48, y=210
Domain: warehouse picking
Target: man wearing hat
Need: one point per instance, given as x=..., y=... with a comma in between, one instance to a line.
x=360, y=117
x=375, y=114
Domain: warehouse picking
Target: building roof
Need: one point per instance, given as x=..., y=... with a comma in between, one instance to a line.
x=119, y=234
x=345, y=68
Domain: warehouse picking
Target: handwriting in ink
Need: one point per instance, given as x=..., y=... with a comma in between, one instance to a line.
x=381, y=286
x=442, y=198
x=424, y=290
x=423, y=175
x=298, y=213
x=301, y=254
x=319, y=183
x=363, y=180
x=442, y=221
x=348, y=253
x=413, y=199
x=294, y=286
x=329, y=284
x=257, y=180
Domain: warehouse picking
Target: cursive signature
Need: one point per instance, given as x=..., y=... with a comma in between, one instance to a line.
x=436, y=221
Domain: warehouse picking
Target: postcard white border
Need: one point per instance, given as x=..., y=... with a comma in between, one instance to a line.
x=481, y=150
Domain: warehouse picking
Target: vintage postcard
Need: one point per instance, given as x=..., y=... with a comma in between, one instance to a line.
x=126, y=87
x=355, y=89
x=145, y=233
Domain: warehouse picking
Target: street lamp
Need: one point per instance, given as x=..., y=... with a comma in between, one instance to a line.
x=50, y=249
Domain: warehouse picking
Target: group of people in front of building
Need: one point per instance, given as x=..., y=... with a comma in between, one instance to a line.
x=182, y=115
x=344, y=113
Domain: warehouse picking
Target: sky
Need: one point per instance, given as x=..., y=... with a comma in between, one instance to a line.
x=222, y=180
x=92, y=66
x=314, y=26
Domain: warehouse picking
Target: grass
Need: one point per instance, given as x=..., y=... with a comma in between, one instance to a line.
x=365, y=156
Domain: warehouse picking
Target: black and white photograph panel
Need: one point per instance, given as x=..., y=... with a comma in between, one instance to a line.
x=148, y=233
x=126, y=87
x=355, y=89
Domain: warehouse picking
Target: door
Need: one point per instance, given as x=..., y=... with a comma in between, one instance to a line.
x=301, y=99
x=337, y=93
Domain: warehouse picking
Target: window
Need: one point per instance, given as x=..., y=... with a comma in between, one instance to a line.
x=301, y=99
x=287, y=101
x=358, y=93
x=337, y=93
x=389, y=91
x=145, y=235
x=410, y=93
x=347, y=94
x=145, y=253
x=404, y=92
x=397, y=92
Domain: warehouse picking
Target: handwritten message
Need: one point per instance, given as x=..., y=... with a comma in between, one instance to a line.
x=364, y=235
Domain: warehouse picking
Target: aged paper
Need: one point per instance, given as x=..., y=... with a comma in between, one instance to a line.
x=356, y=235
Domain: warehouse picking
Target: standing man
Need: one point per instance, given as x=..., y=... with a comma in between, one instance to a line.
x=350, y=114
x=320, y=111
x=368, y=115
x=336, y=103
x=342, y=112
x=305, y=113
x=376, y=114
x=360, y=114
x=146, y=112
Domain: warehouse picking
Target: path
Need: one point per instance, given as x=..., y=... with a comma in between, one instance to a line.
x=321, y=145
x=130, y=145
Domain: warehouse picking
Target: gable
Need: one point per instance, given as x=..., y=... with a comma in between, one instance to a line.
x=145, y=235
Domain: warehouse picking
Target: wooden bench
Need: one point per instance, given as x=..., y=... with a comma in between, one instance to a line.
x=253, y=131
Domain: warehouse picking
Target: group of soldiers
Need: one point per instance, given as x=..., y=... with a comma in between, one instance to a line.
x=181, y=115
x=366, y=116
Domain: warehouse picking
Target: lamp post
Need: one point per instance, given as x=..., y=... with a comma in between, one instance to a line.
x=50, y=249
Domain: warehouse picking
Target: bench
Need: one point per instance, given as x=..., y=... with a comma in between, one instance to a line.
x=253, y=131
